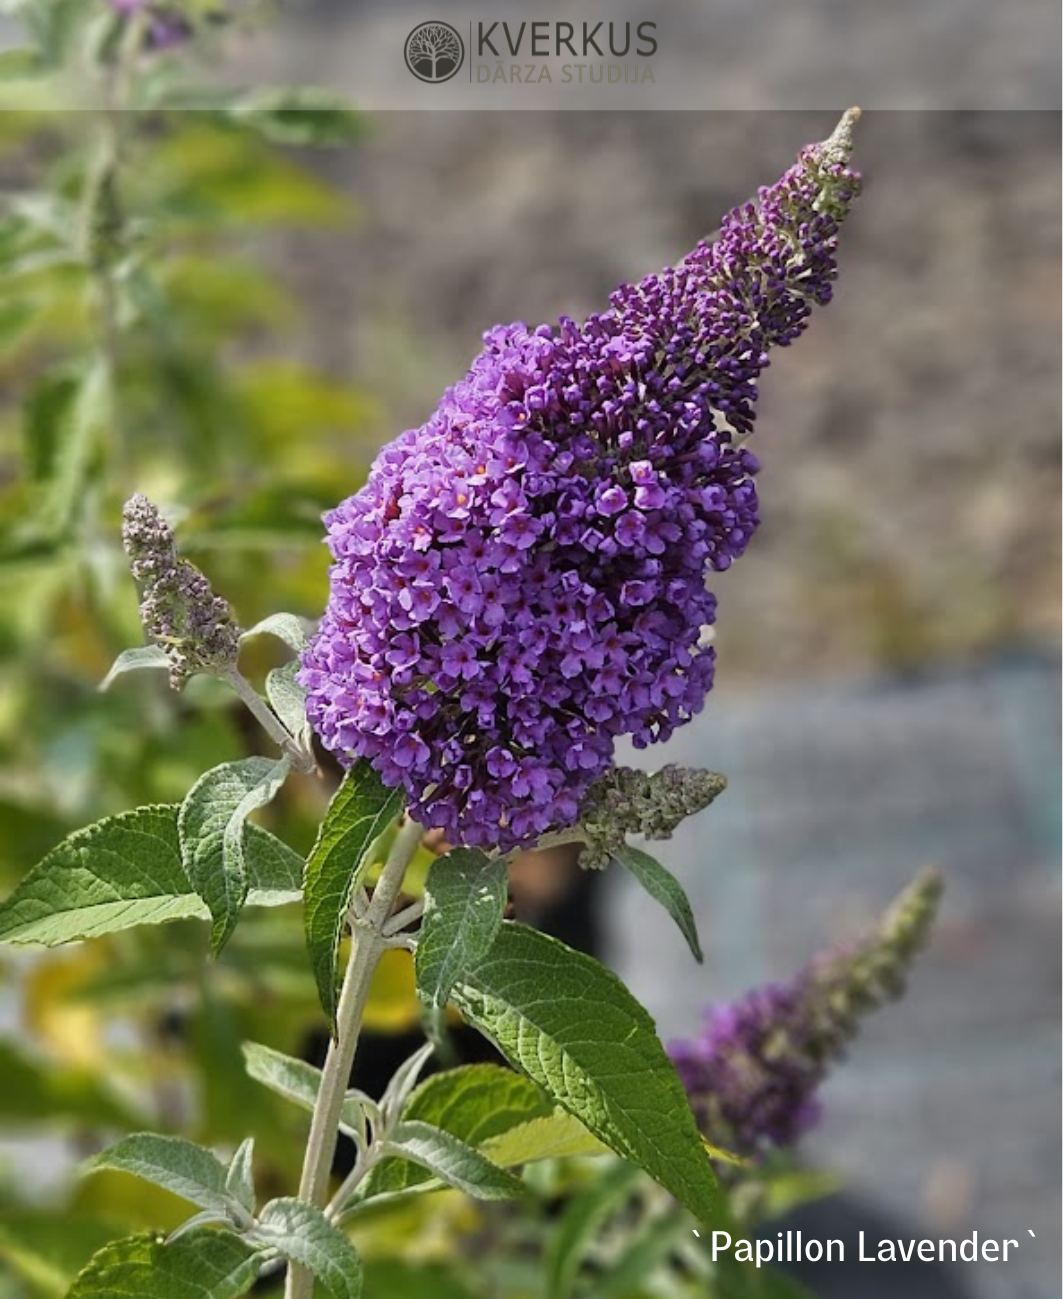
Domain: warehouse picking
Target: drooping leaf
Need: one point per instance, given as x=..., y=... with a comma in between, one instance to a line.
x=293, y=1079
x=580, y=1223
x=126, y=871
x=452, y=1161
x=135, y=660
x=574, y=1028
x=180, y=1166
x=203, y=1264
x=360, y=811
x=663, y=886
x=464, y=901
x=303, y=1234
x=285, y=626
x=288, y=700
x=212, y=827
x=240, y=1175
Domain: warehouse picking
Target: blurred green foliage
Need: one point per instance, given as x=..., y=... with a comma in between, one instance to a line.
x=146, y=344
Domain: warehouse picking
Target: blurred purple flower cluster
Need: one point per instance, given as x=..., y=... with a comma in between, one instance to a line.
x=753, y=1074
x=522, y=579
x=164, y=24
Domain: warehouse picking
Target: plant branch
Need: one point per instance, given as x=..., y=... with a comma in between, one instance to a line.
x=301, y=759
x=367, y=946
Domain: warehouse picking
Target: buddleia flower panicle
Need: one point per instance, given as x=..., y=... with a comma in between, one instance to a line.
x=753, y=1074
x=163, y=23
x=627, y=801
x=178, y=608
x=521, y=581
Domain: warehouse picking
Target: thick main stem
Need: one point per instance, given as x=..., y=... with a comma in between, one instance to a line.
x=368, y=944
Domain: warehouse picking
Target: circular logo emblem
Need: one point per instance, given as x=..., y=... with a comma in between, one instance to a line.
x=434, y=52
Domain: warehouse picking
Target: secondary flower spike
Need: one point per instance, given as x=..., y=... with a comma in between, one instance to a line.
x=178, y=608
x=522, y=579
x=753, y=1075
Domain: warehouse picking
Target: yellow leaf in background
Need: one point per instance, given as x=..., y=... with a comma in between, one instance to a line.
x=393, y=1005
x=557, y=1136
x=71, y=1029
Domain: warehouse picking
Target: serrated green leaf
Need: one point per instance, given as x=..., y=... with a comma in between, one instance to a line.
x=212, y=827
x=285, y=626
x=574, y=1028
x=297, y=115
x=293, y=1079
x=664, y=888
x=180, y=1166
x=503, y=1114
x=126, y=871
x=451, y=1160
x=136, y=660
x=204, y=1264
x=303, y=1234
x=360, y=811
x=464, y=901
x=288, y=700
x=582, y=1219
x=240, y=1175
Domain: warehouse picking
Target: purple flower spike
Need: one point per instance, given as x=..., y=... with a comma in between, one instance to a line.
x=543, y=539
x=753, y=1074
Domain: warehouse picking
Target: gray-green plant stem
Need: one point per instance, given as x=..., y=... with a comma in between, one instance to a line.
x=367, y=945
x=300, y=758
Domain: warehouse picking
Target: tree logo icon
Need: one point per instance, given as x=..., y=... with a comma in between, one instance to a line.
x=434, y=52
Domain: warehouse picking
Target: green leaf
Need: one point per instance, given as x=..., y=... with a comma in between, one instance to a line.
x=447, y=1157
x=503, y=1114
x=390, y=1278
x=582, y=1219
x=464, y=901
x=664, y=888
x=81, y=423
x=212, y=827
x=285, y=626
x=240, y=1176
x=574, y=1028
x=180, y=1166
x=293, y=1079
x=558, y=1136
x=136, y=660
x=304, y=1235
x=478, y=1101
x=643, y=1251
x=203, y=1264
x=127, y=871
x=34, y=1091
x=288, y=700
x=49, y=1249
x=360, y=811
x=297, y=115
